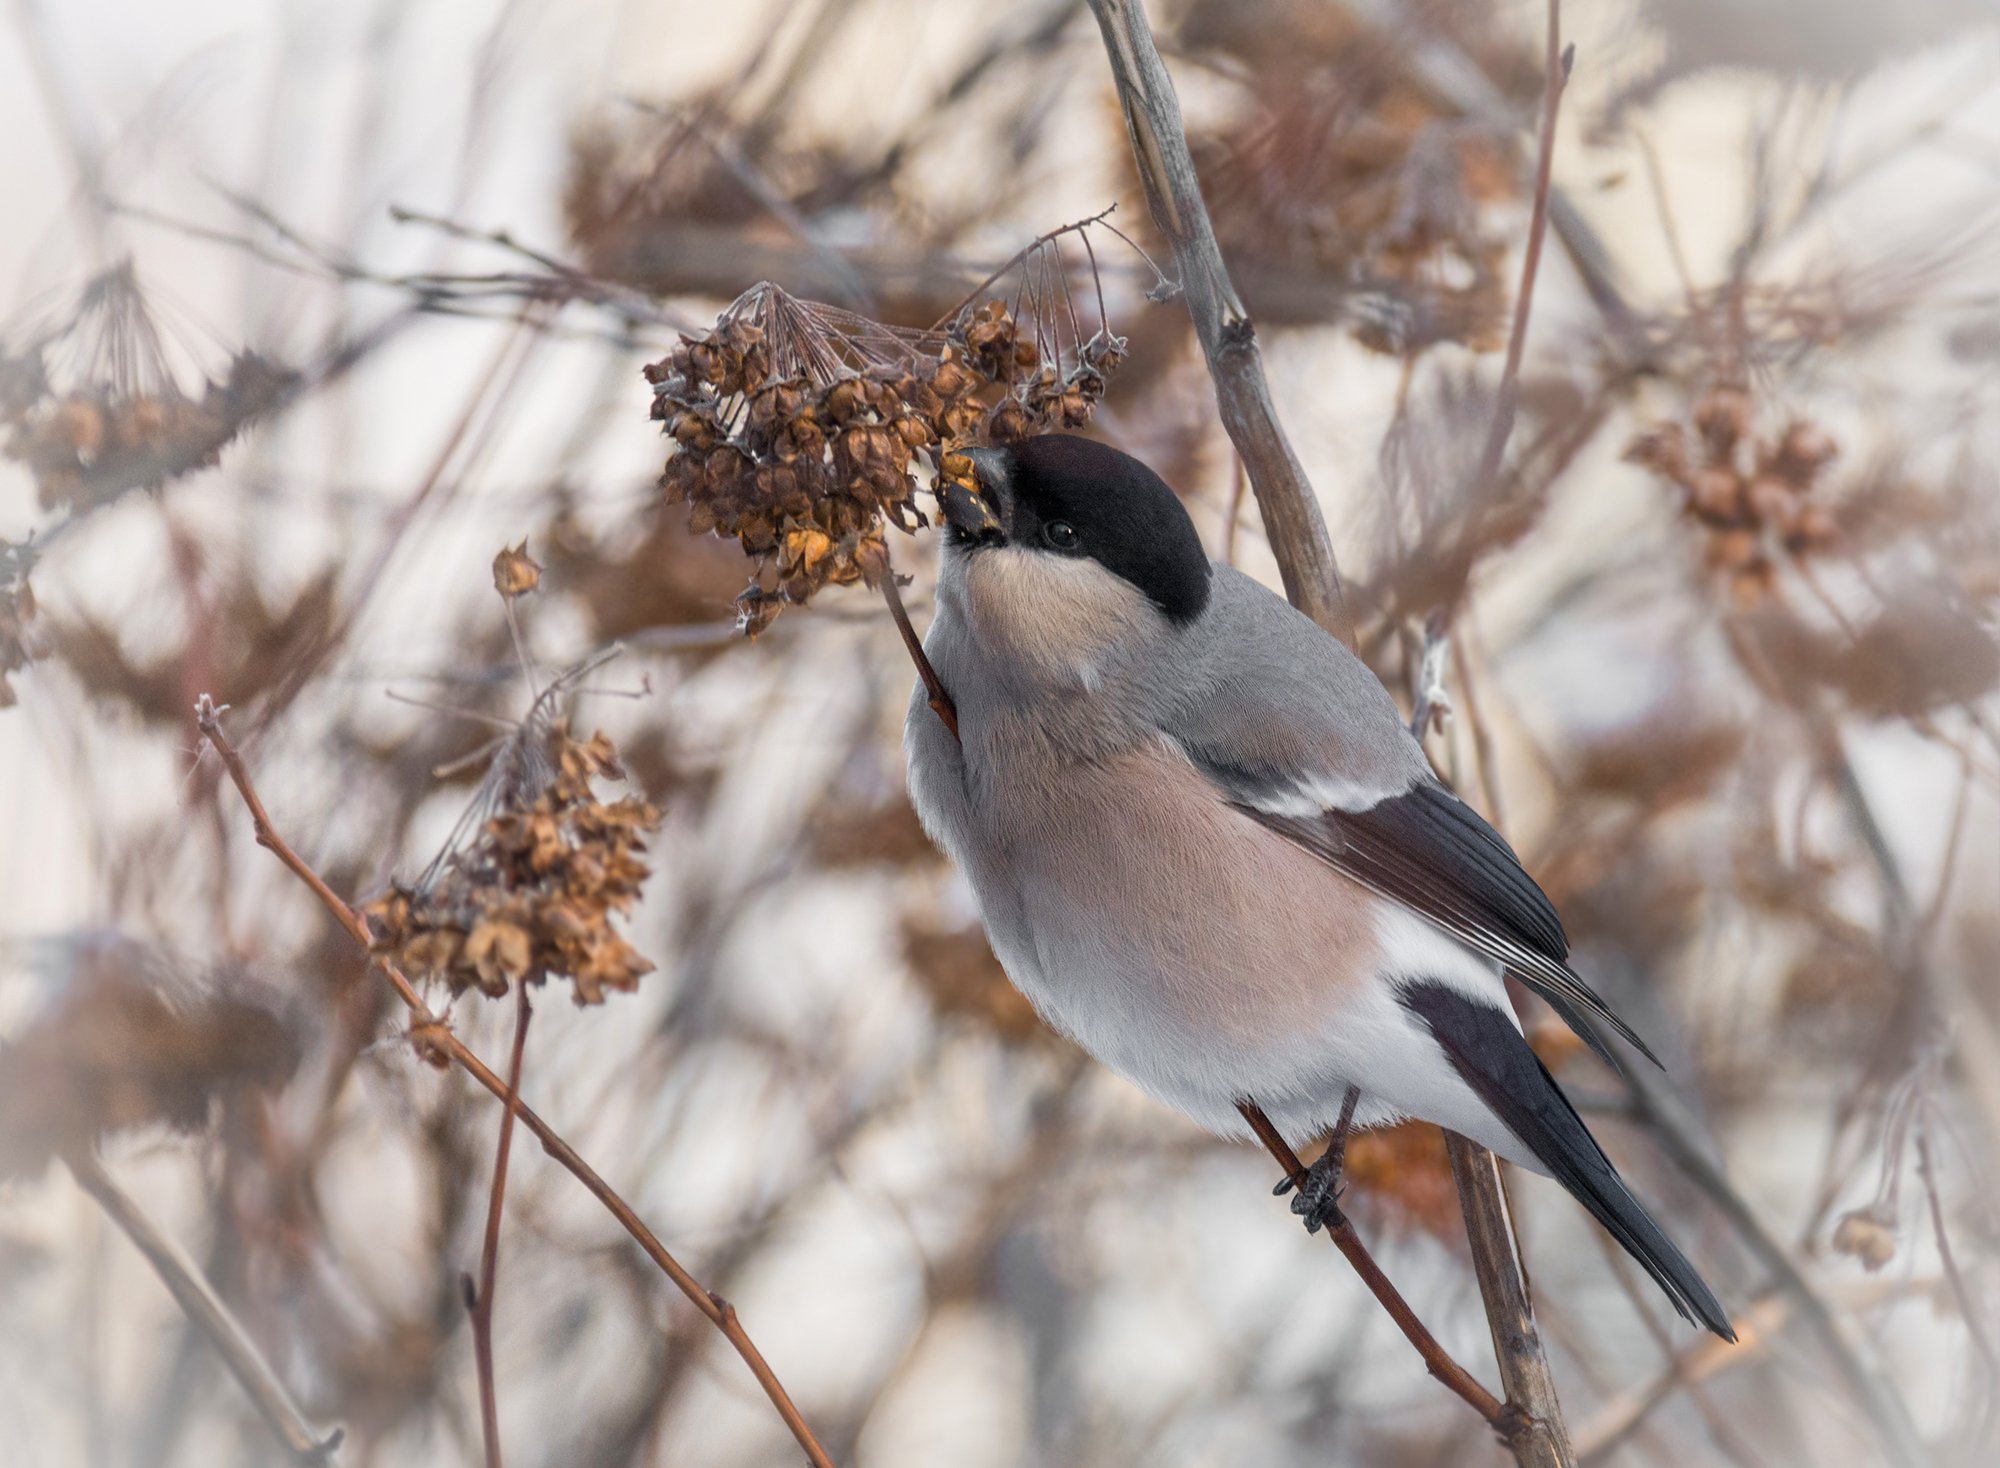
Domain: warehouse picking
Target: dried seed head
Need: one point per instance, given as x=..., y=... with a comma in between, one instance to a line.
x=89, y=431
x=1756, y=515
x=535, y=892
x=796, y=427
x=135, y=1039
x=515, y=573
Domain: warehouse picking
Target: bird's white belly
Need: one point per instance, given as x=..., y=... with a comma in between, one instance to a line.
x=1209, y=961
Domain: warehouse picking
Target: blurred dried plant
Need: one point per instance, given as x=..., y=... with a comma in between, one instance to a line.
x=93, y=408
x=17, y=610
x=134, y=1038
x=1754, y=494
x=958, y=973
x=1343, y=188
x=1405, y=1171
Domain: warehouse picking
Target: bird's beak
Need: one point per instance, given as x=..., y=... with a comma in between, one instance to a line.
x=976, y=498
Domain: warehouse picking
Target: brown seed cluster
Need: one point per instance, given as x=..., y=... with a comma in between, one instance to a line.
x=797, y=428
x=95, y=441
x=533, y=895
x=1753, y=494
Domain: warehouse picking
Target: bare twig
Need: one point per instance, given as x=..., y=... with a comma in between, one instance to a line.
x=1297, y=530
x=1708, y=1356
x=1489, y=1227
x=1557, y=63
x=1437, y=1360
x=479, y=1301
x=1927, y=1172
x=1542, y=1440
x=940, y=699
x=185, y=1282
x=433, y=1037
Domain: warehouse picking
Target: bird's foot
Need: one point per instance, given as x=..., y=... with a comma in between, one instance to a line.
x=1317, y=1200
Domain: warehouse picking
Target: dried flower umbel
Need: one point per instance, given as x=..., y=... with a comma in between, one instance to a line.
x=798, y=427
x=1754, y=495
x=530, y=881
x=93, y=409
x=533, y=894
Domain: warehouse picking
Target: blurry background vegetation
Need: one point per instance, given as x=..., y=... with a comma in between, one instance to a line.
x=310, y=309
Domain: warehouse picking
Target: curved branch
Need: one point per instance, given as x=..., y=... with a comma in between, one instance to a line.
x=435, y=1040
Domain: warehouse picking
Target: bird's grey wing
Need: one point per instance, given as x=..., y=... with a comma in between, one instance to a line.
x=1305, y=740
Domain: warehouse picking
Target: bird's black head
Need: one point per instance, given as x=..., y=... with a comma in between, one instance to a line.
x=1066, y=496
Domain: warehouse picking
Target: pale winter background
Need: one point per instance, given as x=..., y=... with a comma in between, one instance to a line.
x=1717, y=641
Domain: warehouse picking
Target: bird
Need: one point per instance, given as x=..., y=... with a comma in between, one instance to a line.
x=1206, y=848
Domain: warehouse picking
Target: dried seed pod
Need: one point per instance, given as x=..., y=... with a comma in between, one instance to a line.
x=1773, y=502
x=1805, y=449
x=1867, y=1235
x=1717, y=496
x=1754, y=517
x=515, y=573
x=796, y=426
x=534, y=893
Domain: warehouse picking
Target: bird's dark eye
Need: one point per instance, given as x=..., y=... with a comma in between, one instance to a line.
x=1060, y=534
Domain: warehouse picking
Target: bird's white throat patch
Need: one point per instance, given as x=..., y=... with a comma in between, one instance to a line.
x=1055, y=620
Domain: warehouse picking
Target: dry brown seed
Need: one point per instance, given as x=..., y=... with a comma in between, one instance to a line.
x=81, y=425
x=1717, y=495
x=515, y=573
x=1735, y=549
x=1806, y=446
x=1815, y=526
x=1865, y=1235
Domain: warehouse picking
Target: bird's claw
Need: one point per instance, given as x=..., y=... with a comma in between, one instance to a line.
x=1318, y=1197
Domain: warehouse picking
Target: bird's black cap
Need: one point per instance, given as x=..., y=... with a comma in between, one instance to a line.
x=1064, y=495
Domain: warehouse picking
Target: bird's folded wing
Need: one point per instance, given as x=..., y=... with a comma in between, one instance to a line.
x=1299, y=734
x=1429, y=851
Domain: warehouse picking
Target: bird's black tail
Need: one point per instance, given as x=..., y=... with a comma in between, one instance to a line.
x=1486, y=1049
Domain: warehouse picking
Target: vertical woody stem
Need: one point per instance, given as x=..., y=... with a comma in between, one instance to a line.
x=1298, y=537
x=1228, y=337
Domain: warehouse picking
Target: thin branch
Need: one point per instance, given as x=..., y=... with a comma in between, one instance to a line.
x=434, y=1039
x=1437, y=1360
x=1297, y=529
x=1556, y=62
x=1489, y=1228
x=940, y=699
x=479, y=1301
x=1927, y=1173
x=185, y=1282
x=1543, y=1440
